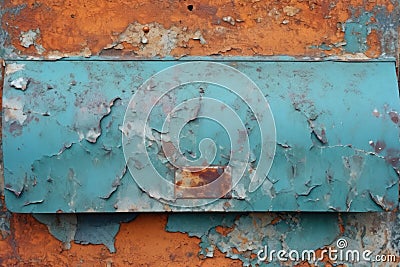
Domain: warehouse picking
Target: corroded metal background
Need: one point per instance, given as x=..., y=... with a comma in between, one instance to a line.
x=51, y=29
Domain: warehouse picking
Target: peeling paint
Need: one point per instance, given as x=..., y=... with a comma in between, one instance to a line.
x=84, y=228
x=87, y=147
x=156, y=41
x=184, y=223
x=302, y=28
x=13, y=67
x=317, y=32
x=61, y=226
x=13, y=111
x=243, y=235
x=100, y=228
x=30, y=38
x=20, y=83
x=363, y=23
x=6, y=48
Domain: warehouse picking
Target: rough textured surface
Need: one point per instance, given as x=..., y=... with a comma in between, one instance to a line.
x=301, y=28
x=142, y=242
x=321, y=163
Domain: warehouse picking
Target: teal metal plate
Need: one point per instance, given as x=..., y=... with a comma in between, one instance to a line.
x=116, y=136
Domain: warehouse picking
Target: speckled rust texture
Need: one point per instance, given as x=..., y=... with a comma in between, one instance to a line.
x=287, y=27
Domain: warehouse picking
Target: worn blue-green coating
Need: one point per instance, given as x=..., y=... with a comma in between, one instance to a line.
x=336, y=128
x=356, y=33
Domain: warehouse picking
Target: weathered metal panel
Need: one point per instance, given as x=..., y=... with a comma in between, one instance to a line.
x=336, y=148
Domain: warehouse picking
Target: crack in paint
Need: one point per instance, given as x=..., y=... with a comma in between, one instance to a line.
x=116, y=184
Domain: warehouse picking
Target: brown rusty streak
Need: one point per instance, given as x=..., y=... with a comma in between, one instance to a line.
x=379, y=146
x=394, y=117
x=393, y=157
x=197, y=182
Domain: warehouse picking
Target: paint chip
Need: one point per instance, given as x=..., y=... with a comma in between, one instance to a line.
x=14, y=67
x=28, y=38
x=20, y=83
x=229, y=20
x=13, y=110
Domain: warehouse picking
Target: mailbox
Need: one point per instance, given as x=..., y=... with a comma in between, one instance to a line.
x=200, y=134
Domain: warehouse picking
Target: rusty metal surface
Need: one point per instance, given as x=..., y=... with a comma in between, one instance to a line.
x=203, y=182
x=336, y=135
x=305, y=29
x=51, y=29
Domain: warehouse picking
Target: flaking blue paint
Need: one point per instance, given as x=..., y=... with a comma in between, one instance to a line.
x=64, y=129
x=85, y=228
x=100, y=228
x=61, y=226
x=362, y=22
x=185, y=223
x=356, y=33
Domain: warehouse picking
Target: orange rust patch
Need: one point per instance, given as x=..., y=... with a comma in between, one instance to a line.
x=341, y=224
x=199, y=182
x=276, y=220
x=371, y=4
x=235, y=251
x=256, y=28
x=224, y=231
x=142, y=242
x=373, y=42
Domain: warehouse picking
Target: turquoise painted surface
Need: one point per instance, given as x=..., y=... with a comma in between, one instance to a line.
x=357, y=31
x=337, y=143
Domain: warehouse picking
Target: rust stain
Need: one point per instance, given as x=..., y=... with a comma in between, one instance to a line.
x=379, y=146
x=341, y=224
x=371, y=4
x=393, y=157
x=258, y=28
x=208, y=182
x=224, y=231
x=394, y=116
x=276, y=220
x=374, y=45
